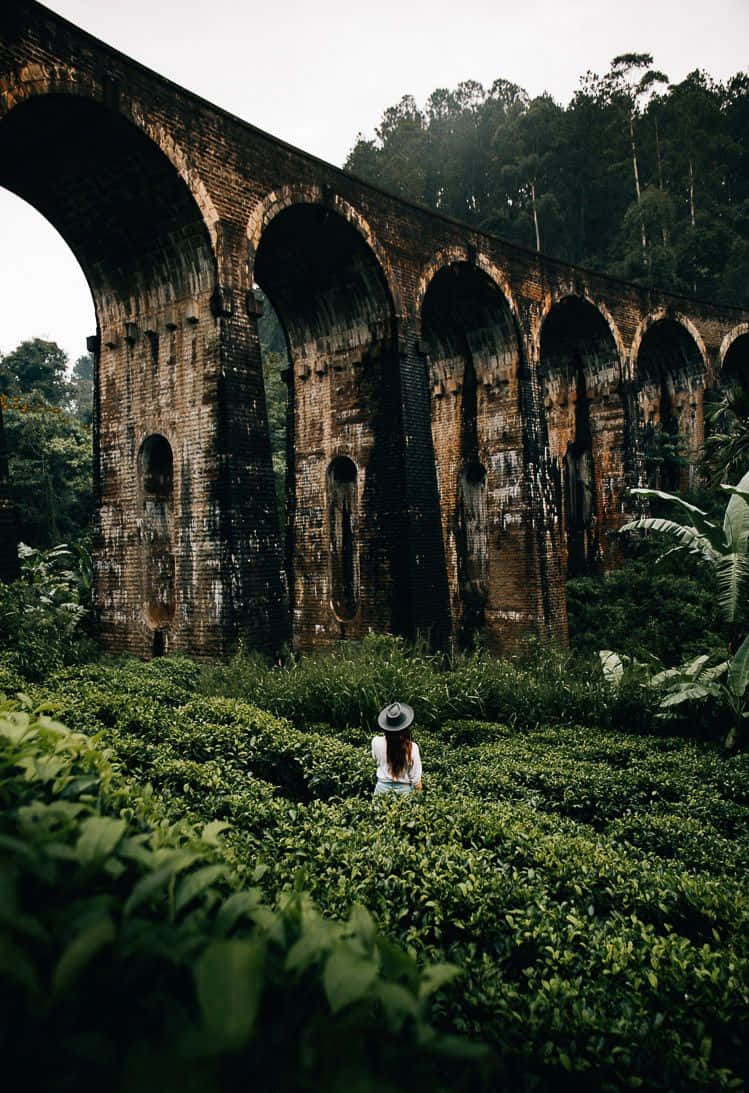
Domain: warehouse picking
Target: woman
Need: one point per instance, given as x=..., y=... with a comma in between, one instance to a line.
x=396, y=754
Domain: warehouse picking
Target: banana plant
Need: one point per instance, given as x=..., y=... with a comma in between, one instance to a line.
x=725, y=548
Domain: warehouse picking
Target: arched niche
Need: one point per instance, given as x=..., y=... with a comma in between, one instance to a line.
x=331, y=297
x=342, y=483
x=670, y=383
x=155, y=470
x=472, y=349
x=472, y=534
x=580, y=371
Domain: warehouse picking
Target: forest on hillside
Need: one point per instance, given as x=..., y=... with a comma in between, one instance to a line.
x=637, y=177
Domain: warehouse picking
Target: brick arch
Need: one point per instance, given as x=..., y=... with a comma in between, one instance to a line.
x=474, y=353
x=661, y=315
x=586, y=420
x=285, y=197
x=125, y=208
x=553, y=300
x=35, y=79
x=311, y=256
x=729, y=347
x=448, y=256
x=670, y=374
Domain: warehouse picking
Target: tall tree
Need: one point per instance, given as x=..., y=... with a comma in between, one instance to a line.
x=36, y=367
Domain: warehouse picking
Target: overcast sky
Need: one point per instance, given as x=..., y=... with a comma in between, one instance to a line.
x=317, y=73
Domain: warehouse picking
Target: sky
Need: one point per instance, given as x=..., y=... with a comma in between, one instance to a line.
x=318, y=73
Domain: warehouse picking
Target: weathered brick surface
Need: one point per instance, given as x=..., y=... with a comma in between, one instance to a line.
x=492, y=403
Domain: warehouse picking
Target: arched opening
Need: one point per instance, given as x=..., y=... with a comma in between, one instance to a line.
x=342, y=533
x=139, y=236
x=155, y=466
x=586, y=428
x=474, y=365
x=735, y=371
x=332, y=301
x=670, y=378
x=726, y=415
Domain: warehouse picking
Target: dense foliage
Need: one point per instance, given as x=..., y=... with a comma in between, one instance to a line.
x=50, y=471
x=586, y=884
x=132, y=954
x=44, y=616
x=635, y=176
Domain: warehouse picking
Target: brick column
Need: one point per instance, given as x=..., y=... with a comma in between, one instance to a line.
x=423, y=577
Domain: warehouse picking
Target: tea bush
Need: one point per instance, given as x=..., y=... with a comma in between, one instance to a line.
x=588, y=883
x=131, y=959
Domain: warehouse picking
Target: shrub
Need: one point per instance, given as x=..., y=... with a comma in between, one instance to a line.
x=213, y=987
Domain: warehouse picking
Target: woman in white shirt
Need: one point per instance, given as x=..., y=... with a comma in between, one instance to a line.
x=396, y=754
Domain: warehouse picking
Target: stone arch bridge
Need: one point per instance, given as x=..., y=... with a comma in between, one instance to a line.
x=464, y=416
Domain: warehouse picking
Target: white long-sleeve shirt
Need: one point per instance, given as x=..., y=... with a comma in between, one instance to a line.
x=411, y=775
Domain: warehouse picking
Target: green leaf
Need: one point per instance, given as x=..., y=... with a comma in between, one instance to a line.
x=318, y=936
x=98, y=838
x=152, y=883
x=738, y=669
x=692, y=668
x=435, y=976
x=347, y=977
x=397, y=1002
x=81, y=950
x=238, y=904
x=210, y=833
x=363, y=924
x=611, y=666
x=195, y=883
x=229, y=983
x=691, y=692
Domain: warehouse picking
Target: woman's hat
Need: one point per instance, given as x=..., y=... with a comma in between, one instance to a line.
x=395, y=717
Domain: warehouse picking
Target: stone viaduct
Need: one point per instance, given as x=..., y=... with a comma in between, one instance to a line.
x=464, y=417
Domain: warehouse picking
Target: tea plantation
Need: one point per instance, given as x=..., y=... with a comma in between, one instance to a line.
x=197, y=891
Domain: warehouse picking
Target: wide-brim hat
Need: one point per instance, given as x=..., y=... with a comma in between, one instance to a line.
x=396, y=716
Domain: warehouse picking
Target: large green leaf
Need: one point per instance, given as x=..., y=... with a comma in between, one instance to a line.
x=81, y=951
x=698, y=518
x=195, y=883
x=229, y=982
x=347, y=976
x=738, y=670
x=686, y=535
x=736, y=519
x=98, y=838
x=732, y=574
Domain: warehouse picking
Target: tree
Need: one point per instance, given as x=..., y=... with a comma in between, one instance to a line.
x=36, y=367
x=50, y=472
x=82, y=388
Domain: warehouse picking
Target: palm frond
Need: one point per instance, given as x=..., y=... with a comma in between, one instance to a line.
x=732, y=573
x=738, y=671
x=688, y=537
x=736, y=519
x=698, y=518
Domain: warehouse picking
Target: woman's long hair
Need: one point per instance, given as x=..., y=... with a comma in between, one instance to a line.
x=399, y=751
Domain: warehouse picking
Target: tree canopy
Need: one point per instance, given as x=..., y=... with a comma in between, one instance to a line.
x=637, y=177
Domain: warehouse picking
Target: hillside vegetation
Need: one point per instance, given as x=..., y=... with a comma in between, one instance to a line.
x=640, y=178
